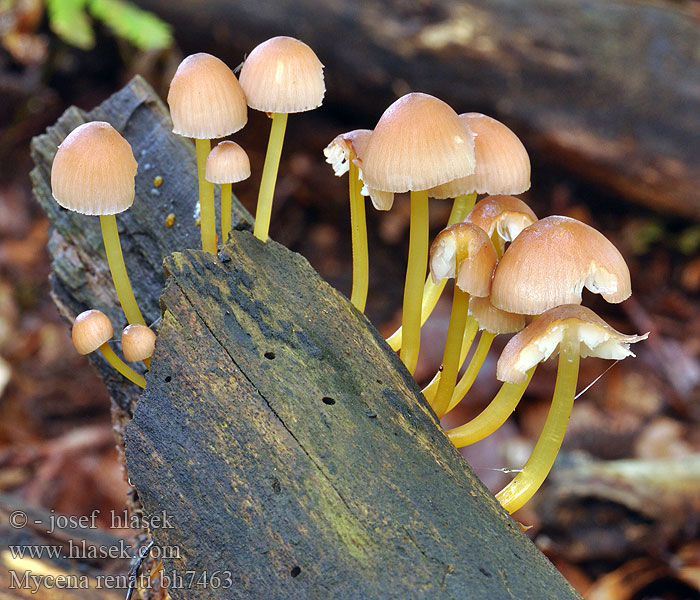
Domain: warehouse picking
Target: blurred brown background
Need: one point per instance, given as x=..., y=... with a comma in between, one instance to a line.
x=605, y=95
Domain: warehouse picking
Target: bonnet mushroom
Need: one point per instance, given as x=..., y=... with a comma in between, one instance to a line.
x=462, y=251
x=226, y=164
x=573, y=332
x=138, y=343
x=92, y=331
x=280, y=76
x=418, y=143
x=93, y=174
x=340, y=153
x=206, y=102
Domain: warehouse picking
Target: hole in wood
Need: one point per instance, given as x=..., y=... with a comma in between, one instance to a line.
x=269, y=355
x=295, y=571
x=328, y=401
x=168, y=379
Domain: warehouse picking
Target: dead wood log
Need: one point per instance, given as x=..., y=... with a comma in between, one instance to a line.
x=609, y=89
x=290, y=453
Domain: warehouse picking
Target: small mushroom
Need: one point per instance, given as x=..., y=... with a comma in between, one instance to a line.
x=206, y=102
x=93, y=174
x=92, y=330
x=227, y=163
x=418, y=143
x=573, y=332
x=280, y=76
x=462, y=251
x=138, y=342
x=340, y=153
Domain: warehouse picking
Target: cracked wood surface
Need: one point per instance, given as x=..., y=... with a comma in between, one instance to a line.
x=288, y=445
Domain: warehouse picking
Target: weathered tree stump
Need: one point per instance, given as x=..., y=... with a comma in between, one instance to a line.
x=290, y=452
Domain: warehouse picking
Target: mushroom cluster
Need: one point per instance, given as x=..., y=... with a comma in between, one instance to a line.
x=509, y=268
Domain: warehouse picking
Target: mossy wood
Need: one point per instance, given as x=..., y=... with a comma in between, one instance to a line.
x=280, y=436
x=290, y=446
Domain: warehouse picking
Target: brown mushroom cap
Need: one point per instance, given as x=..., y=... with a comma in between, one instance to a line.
x=492, y=319
x=283, y=75
x=93, y=171
x=206, y=101
x=227, y=163
x=465, y=250
x=506, y=216
x=138, y=342
x=502, y=163
x=550, y=263
x=91, y=329
x=344, y=148
x=541, y=339
x=418, y=143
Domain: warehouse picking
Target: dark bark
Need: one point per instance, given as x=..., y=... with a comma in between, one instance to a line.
x=609, y=89
x=289, y=446
x=279, y=434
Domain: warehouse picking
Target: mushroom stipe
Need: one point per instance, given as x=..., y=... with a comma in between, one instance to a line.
x=360, y=254
x=415, y=273
x=121, y=366
x=206, y=198
x=432, y=291
x=266, y=192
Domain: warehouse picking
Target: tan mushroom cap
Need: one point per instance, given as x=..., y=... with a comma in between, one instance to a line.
x=344, y=148
x=91, y=329
x=227, y=163
x=504, y=216
x=502, y=163
x=541, y=339
x=138, y=342
x=283, y=75
x=492, y=319
x=418, y=143
x=465, y=250
x=206, y=101
x=550, y=263
x=93, y=171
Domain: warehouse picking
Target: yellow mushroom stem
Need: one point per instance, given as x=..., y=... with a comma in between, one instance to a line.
x=528, y=481
x=225, y=211
x=432, y=291
x=121, y=366
x=492, y=417
x=473, y=368
x=415, y=274
x=207, y=214
x=453, y=347
x=115, y=260
x=360, y=254
x=470, y=331
x=269, y=176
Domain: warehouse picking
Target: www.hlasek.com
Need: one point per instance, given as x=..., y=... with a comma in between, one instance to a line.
x=33, y=577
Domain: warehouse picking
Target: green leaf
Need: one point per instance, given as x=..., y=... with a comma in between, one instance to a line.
x=68, y=21
x=142, y=28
